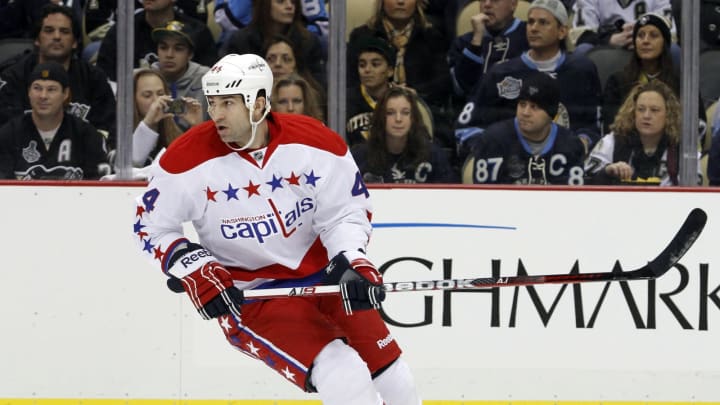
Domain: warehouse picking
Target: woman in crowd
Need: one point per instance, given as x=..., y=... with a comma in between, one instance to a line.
x=644, y=145
x=283, y=17
x=651, y=60
x=420, y=60
x=292, y=94
x=399, y=149
x=154, y=125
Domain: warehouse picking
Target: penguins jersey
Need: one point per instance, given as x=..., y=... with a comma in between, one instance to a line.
x=501, y=155
x=273, y=213
x=76, y=151
x=595, y=13
x=657, y=169
x=496, y=97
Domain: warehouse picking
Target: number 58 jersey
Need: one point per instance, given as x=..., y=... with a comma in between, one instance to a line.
x=277, y=212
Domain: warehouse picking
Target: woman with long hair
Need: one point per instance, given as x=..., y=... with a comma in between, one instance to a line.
x=155, y=127
x=283, y=17
x=643, y=146
x=293, y=94
x=420, y=60
x=399, y=148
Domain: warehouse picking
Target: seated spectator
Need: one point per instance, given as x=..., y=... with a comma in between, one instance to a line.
x=293, y=94
x=19, y=18
x=600, y=22
x=375, y=66
x=399, y=149
x=495, y=98
x=49, y=143
x=232, y=15
x=420, y=62
x=56, y=38
x=713, y=166
x=651, y=60
x=496, y=37
x=283, y=59
x=270, y=18
x=155, y=127
x=175, y=48
x=643, y=146
x=709, y=23
x=156, y=14
x=530, y=148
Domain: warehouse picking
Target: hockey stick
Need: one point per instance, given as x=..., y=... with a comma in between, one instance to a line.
x=673, y=252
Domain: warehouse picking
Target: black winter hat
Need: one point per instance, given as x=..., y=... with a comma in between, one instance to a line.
x=543, y=90
x=379, y=45
x=50, y=71
x=653, y=19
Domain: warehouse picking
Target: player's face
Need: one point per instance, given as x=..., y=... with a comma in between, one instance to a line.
x=373, y=70
x=398, y=117
x=149, y=88
x=231, y=118
x=56, y=40
x=281, y=58
x=399, y=10
x=174, y=55
x=282, y=11
x=649, y=42
x=544, y=30
x=499, y=12
x=533, y=121
x=290, y=99
x=650, y=114
x=47, y=97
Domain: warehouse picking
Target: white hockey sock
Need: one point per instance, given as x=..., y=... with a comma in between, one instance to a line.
x=341, y=377
x=397, y=386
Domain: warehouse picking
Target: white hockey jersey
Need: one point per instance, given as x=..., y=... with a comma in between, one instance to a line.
x=275, y=213
x=596, y=13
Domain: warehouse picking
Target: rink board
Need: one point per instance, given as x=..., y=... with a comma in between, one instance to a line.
x=85, y=320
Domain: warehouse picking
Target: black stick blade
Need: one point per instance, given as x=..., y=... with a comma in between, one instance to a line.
x=683, y=240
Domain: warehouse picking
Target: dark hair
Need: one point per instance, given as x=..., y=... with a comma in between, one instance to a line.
x=52, y=8
x=417, y=148
x=263, y=23
x=668, y=74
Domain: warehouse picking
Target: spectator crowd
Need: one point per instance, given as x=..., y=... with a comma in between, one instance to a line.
x=565, y=92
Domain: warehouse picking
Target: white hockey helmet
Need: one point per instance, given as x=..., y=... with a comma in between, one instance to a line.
x=239, y=74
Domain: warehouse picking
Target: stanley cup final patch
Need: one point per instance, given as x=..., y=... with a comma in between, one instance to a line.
x=509, y=88
x=30, y=153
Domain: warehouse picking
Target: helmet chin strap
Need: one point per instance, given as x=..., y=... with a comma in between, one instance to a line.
x=253, y=126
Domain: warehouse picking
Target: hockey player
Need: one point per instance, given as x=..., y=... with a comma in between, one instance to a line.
x=272, y=197
x=496, y=96
x=530, y=148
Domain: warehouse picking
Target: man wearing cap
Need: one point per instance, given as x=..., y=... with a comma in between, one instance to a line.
x=49, y=143
x=156, y=13
x=375, y=66
x=496, y=36
x=530, y=148
x=175, y=48
x=56, y=39
x=496, y=96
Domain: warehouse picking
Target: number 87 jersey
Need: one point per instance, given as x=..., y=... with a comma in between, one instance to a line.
x=502, y=155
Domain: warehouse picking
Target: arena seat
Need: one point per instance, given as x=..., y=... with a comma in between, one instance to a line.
x=608, y=60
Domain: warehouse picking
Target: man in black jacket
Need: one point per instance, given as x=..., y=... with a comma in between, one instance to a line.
x=56, y=39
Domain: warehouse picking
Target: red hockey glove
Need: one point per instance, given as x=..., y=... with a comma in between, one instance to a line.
x=361, y=285
x=208, y=284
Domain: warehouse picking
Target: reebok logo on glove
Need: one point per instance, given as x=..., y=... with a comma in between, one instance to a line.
x=191, y=259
